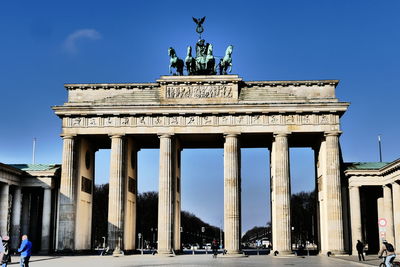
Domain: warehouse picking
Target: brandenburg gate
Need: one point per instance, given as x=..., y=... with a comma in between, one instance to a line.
x=197, y=111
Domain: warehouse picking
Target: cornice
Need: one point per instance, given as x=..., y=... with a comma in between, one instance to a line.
x=165, y=109
x=116, y=86
x=292, y=83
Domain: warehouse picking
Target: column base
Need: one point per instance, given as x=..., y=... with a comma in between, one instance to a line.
x=165, y=253
x=281, y=253
x=233, y=254
x=334, y=253
x=118, y=252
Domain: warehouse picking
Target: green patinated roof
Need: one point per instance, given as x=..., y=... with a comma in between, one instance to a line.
x=35, y=167
x=366, y=165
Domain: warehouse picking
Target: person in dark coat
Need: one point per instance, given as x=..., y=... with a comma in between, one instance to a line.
x=6, y=256
x=214, y=247
x=360, y=250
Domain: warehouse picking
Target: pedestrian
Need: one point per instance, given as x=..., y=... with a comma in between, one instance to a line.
x=25, y=250
x=360, y=250
x=1, y=248
x=214, y=247
x=7, y=256
x=390, y=254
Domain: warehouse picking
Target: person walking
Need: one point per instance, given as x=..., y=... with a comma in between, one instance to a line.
x=25, y=250
x=390, y=254
x=6, y=257
x=1, y=248
x=214, y=247
x=360, y=250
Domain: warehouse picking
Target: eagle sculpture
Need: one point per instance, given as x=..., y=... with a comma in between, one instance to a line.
x=199, y=28
x=199, y=21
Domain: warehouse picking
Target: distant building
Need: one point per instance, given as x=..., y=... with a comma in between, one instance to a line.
x=374, y=200
x=28, y=203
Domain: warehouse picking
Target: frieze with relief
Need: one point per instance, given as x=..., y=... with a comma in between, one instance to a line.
x=198, y=91
x=199, y=120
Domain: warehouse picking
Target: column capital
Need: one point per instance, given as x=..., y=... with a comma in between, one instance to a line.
x=232, y=134
x=354, y=186
x=332, y=133
x=68, y=136
x=116, y=136
x=282, y=134
x=165, y=135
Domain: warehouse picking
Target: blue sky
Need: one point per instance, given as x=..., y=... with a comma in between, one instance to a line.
x=45, y=44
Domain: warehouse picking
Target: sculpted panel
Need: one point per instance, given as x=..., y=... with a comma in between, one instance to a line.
x=199, y=91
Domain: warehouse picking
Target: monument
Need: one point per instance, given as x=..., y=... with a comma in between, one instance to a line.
x=204, y=63
x=201, y=109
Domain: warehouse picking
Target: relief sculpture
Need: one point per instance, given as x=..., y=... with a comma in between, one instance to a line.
x=200, y=91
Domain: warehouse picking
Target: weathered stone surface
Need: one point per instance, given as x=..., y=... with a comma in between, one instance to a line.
x=183, y=109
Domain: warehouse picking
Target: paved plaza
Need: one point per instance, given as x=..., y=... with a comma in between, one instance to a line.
x=196, y=260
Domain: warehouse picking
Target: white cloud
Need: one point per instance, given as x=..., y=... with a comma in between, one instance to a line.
x=70, y=43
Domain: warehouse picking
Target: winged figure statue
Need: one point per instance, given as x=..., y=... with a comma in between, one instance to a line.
x=199, y=22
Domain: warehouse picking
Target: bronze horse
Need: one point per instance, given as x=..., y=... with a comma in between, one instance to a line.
x=190, y=62
x=226, y=61
x=175, y=62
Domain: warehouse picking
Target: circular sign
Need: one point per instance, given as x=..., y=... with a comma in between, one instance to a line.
x=382, y=222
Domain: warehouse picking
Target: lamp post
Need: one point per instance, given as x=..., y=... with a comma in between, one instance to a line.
x=203, y=229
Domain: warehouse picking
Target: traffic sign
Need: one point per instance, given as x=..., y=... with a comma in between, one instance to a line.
x=382, y=222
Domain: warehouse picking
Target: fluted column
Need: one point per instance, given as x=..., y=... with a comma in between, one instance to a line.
x=355, y=216
x=165, y=196
x=280, y=179
x=396, y=213
x=46, y=217
x=232, y=222
x=4, y=200
x=388, y=213
x=116, y=195
x=25, y=216
x=381, y=214
x=333, y=194
x=16, y=218
x=66, y=220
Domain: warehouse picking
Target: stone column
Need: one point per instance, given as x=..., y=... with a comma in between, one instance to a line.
x=177, y=196
x=46, y=218
x=381, y=214
x=355, y=216
x=334, y=195
x=116, y=196
x=16, y=218
x=25, y=216
x=232, y=190
x=67, y=205
x=130, y=197
x=4, y=200
x=396, y=213
x=165, y=196
x=388, y=211
x=280, y=179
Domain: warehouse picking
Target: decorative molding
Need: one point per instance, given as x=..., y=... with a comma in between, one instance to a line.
x=202, y=120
